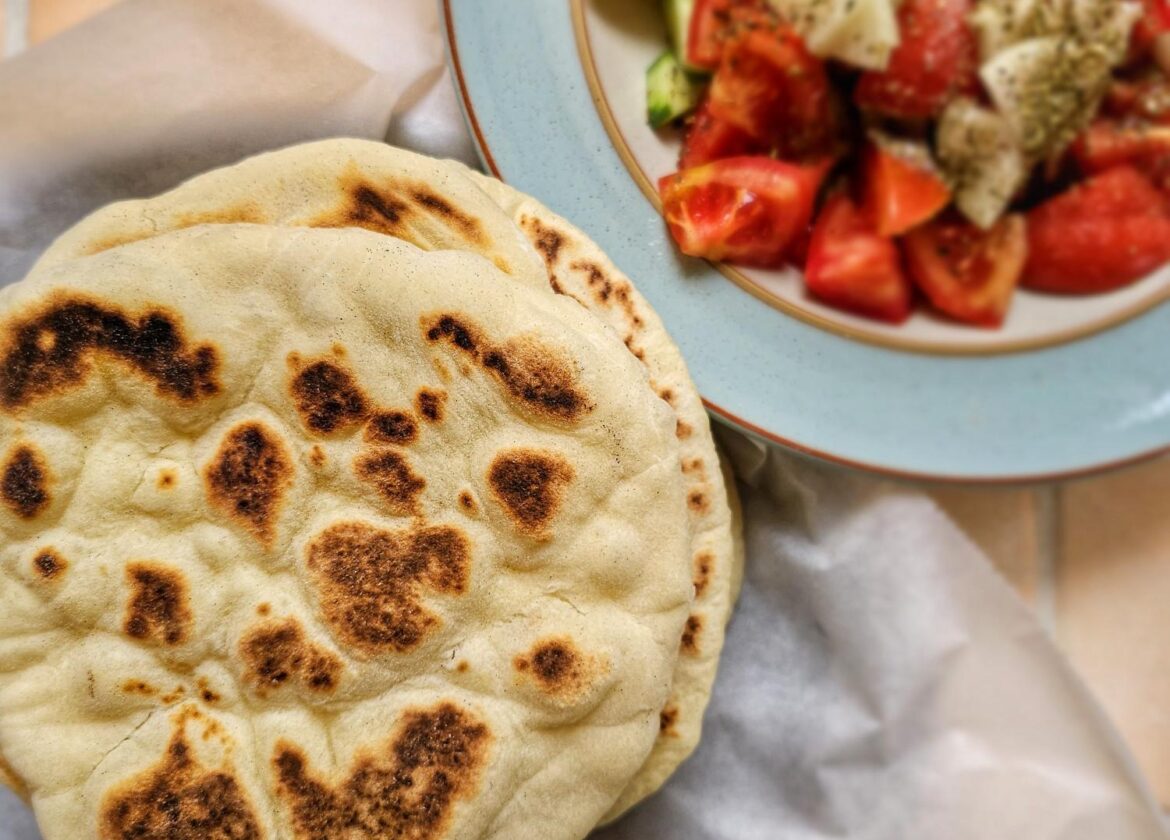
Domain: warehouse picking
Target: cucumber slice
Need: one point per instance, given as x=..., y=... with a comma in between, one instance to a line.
x=678, y=26
x=671, y=92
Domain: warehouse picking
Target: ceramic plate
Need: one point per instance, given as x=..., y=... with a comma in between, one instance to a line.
x=555, y=97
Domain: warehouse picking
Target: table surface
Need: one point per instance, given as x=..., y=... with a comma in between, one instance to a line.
x=1092, y=557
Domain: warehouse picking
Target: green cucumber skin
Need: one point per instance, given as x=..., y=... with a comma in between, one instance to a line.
x=671, y=92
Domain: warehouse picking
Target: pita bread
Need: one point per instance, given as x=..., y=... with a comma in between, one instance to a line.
x=330, y=184
x=324, y=180
x=311, y=533
x=579, y=269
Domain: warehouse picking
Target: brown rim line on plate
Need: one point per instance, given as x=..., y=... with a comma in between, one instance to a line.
x=646, y=185
x=723, y=414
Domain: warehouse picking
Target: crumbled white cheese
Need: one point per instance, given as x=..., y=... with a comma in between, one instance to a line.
x=978, y=150
x=1046, y=64
x=862, y=33
x=1000, y=24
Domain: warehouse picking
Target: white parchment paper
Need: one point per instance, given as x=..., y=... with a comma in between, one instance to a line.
x=879, y=681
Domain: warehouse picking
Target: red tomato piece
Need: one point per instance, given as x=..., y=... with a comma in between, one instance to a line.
x=1102, y=234
x=900, y=193
x=852, y=267
x=1122, y=191
x=709, y=18
x=744, y=210
x=773, y=89
x=713, y=22
x=1154, y=21
x=1144, y=99
x=936, y=60
x=709, y=138
x=798, y=250
x=966, y=272
x=1107, y=144
x=1121, y=98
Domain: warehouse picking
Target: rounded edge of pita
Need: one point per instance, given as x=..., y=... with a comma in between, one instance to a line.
x=332, y=183
x=577, y=268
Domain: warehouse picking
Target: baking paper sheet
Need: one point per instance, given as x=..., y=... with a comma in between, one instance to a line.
x=880, y=681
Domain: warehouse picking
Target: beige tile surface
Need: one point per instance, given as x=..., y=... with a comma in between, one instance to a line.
x=1113, y=603
x=48, y=17
x=1004, y=523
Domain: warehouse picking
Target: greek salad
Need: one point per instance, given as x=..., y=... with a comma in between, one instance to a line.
x=935, y=151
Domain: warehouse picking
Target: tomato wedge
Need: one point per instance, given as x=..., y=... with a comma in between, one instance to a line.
x=709, y=138
x=1104, y=233
x=1154, y=21
x=745, y=210
x=1107, y=144
x=852, y=267
x=1122, y=191
x=965, y=272
x=1143, y=99
x=713, y=22
x=774, y=90
x=900, y=193
x=936, y=60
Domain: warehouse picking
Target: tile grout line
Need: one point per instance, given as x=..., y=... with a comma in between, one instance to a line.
x=1048, y=550
x=15, y=27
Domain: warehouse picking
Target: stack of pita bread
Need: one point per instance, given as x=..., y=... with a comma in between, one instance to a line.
x=347, y=493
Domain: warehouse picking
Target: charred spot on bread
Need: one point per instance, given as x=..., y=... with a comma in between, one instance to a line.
x=409, y=788
x=667, y=719
x=248, y=477
x=49, y=565
x=392, y=427
x=178, y=799
x=430, y=404
x=159, y=608
x=278, y=653
x=370, y=581
x=327, y=397
x=547, y=240
x=558, y=668
x=532, y=373
x=391, y=475
x=530, y=485
x=704, y=563
x=51, y=350
x=24, y=487
x=390, y=206
x=690, y=636
x=434, y=204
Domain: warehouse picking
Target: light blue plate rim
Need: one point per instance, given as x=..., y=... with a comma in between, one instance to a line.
x=1051, y=413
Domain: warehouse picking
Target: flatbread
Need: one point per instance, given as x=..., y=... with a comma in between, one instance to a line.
x=310, y=533
x=579, y=269
x=330, y=183
x=305, y=184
